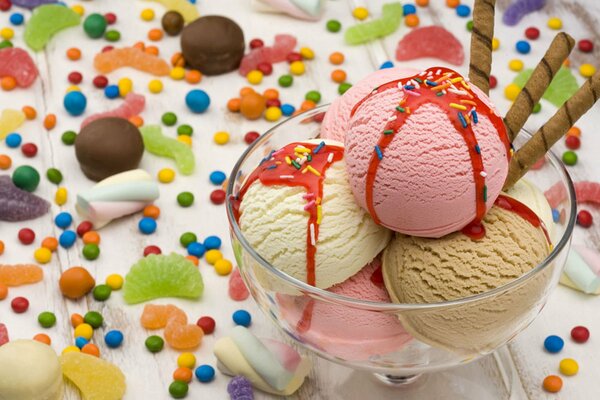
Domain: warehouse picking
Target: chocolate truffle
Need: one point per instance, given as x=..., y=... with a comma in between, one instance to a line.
x=108, y=146
x=213, y=44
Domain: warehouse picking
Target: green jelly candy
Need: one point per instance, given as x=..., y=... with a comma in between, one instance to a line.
x=157, y=143
x=562, y=87
x=26, y=177
x=94, y=26
x=388, y=23
x=46, y=21
x=54, y=176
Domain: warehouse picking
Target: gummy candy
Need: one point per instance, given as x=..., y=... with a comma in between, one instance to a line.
x=184, y=7
x=17, y=63
x=10, y=121
x=430, y=41
x=157, y=143
x=284, y=45
x=96, y=378
x=19, y=205
x=240, y=388
x=562, y=87
x=391, y=16
x=46, y=21
x=183, y=336
x=237, y=288
x=159, y=275
x=31, y=4
x=585, y=192
x=133, y=57
x=20, y=274
x=520, y=8
x=157, y=316
x=134, y=104
x=3, y=334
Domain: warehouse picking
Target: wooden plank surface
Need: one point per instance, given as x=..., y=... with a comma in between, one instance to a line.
x=148, y=376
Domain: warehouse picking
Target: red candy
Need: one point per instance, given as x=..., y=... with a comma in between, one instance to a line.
x=585, y=45
x=580, y=334
x=5, y=5
x=218, y=196
x=293, y=56
x=84, y=228
x=107, y=48
x=17, y=63
x=283, y=45
x=273, y=103
x=237, y=288
x=256, y=43
x=265, y=68
x=430, y=41
x=111, y=18
x=207, y=324
x=152, y=250
x=493, y=82
x=532, y=33
x=584, y=219
x=3, y=332
x=572, y=142
x=29, y=150
x=75, y=78
x=100, y=81
x=19, y=305
x=251, y=137
x=26, y=236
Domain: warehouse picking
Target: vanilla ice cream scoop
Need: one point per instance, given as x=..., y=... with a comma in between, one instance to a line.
x=297, y=211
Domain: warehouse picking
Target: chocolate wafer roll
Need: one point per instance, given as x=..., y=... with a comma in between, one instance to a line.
x=538, y=82
x=481, y=44
x=553, y=130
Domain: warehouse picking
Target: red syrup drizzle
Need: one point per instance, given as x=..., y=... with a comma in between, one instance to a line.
x=440, y=86
x=306, y=169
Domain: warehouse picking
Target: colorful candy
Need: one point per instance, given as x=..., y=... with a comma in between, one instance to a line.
x=17, y=63
x=156, y=143
x=133, y=57
x=20, y=274
x=19, y=205
x=46, y=21
x=76, y=282
x=553, y=344
x=10, y=121
x=93, y=376
x=183, y=7
x=284, y=44
x=197, y=100
x=430, y=41
x=388, y=23
x=520, y=8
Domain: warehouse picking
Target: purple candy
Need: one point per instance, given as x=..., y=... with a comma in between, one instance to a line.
x=240, y=388
x=19, y=205
x=31, y=4
x=519, y=9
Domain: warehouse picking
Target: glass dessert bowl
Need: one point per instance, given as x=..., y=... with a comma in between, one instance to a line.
x=395, y=341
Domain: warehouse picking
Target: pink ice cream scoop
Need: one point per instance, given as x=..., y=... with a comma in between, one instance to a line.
x=337, y=118
x=427, y=155
x=341, y=331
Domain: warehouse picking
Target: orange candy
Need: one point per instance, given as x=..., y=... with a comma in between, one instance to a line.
x=155, y=35
x=307, y=105
x=73, y=54
x=183, y=374
x=3, y=291
x=5, y=163
x=336, y=58
x=411, y=20
x=193, y=76
x=50, y=243
x=253, y=105
x=8, y=83
x=151, y=211
x=20, y=274
x=193, y=259
x=338, y=75
x=575, y=131
x=157, y=316
x=233, y=105
x=91, y=349
x=452, y=3
x=552, y=383
x=271, y=94
x=137, y=120
x=29, y=112
x=43, y=338
x=91, y=237
x=1, y=247
x=183, y=337
x=177, y=60
x=246, y=90
x=76, y=320
x=50, y=121
x=76, y=282
x=139, y=45
x=422, y=3
x=152, y=50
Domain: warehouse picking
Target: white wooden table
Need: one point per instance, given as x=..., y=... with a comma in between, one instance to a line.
x=148, y=376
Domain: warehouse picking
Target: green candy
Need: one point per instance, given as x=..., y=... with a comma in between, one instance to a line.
x=470, y=26
x=562, y=87
x=169, y=119
x=285, y=80
x=178, y=389
x=94, y=319
x=95, y=26
x=333, y=25
x=112, y=36
x=187, y=238
x=157, y=143
x=185, y=130
x=46, y=21
x=388, y=23
x=102, y=292
x=91, y=251
x=185, y=199
x=26, y=177
x=47, y=319
x=54, y=176
x=344, y=87
x=314, y=96
x=5, y=43
x=569, y=158
x=154, y=343
x=68, y=137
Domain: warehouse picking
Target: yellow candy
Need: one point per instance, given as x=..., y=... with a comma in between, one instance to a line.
x=273, y=114
x=307, y=53
x=187, y=360
x=515, y=65
x=185, y=139
x=297, y=68
x=223, y=267
x=84, y=330
x=512, y=91
x=73, y=88
x=71, y=349
x=60, y=198
x=166, y=175
x=587, y=70
x=555, y=23
x=42, y=255
x=7, y=33
x=221, y=137
x=177, y=73
x=212, y=256
x=125, y=86
x=568, y=367
x=360, y=13
x=155, y=86
x=78, y=9
x=147, y=14
x=115, y=281
x=254, y=77
x=495, y=43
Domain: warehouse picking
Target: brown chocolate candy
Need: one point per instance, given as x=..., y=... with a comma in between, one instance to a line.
x=108, y=146
x=213, y=44
x=172, y=23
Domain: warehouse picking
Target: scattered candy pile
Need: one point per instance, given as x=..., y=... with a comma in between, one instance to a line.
x=567, y=366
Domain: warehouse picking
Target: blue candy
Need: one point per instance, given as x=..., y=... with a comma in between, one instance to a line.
x=212, y=242
x=242, y=317
x=16, y=19
x=111, y=91
x=13, y=140
x=409, y=9
x=205, y=373
x=555, y=215
x=67, y=239
x=147, y=225
x=75, y=103
x=113, y=339
x=63, y=220
x=387, y=64
x=197, y=100
x=287, y=109
x=196, y=249
x=463, y=10
x=554, y=344
x=523, y=47
x=217, y=177
x=80, y=342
